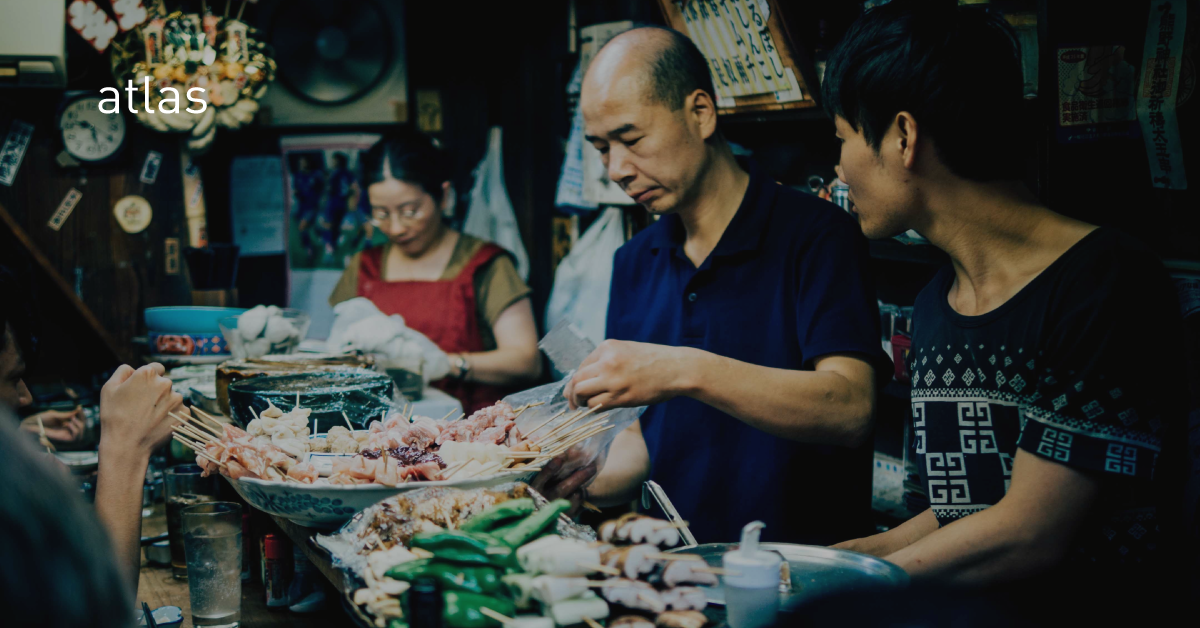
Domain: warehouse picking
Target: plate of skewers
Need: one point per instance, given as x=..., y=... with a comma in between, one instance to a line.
x=322, y=480
x=506, y=556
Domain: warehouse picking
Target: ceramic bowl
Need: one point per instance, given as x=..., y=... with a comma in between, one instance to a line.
x=329, y=506
x=243, y=348
x=188, y=319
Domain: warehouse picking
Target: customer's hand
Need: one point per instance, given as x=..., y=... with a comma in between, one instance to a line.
x=623, y=374
x=134, y=407
x=61, y=427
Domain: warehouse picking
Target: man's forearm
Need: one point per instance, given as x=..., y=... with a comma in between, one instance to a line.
x=814, y=406
x=895, y=539
x=984, y=548
x=120, y=478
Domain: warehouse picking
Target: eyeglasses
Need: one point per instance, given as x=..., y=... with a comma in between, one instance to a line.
x=383, y=217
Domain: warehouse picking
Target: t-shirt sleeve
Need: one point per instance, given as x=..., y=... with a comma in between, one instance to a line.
x=836, y=310
x=498, y=286
x=347, y=285
x=1096, y=405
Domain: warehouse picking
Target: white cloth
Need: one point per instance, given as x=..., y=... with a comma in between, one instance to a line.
x=491, y=217
x=358, y=324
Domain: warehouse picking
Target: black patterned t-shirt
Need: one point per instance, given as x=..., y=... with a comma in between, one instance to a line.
x=1077, y=368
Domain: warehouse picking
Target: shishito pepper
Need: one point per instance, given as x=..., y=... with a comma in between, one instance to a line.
x=498, y=515
x=469, y=578
x=467, y=548
x=462, y=610
x=533, y=525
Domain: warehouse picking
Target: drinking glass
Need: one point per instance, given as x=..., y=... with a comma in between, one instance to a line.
x=183, y=487
x=212, y=540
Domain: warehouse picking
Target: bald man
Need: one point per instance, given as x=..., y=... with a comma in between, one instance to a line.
x=743, y=317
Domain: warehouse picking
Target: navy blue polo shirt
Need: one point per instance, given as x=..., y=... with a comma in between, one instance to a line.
x=786, y=284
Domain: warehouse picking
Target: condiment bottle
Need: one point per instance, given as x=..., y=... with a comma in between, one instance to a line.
x=752, y=584
x=425, y=603
x=275, y=555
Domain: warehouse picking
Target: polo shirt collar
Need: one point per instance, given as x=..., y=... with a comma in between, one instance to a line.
x=748, y=227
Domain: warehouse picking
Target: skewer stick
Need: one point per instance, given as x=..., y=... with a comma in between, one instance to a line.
x=571, y=435
x=347, y=417
x=446, y=417
x=44, y=440
x=287, y=477
x=544, y=423
x=665, y=556
x=605, y=569
x=297, y=392
x=203, y=414
x=591, y=622
x=504, y=619
x=195, y=423
x=194, y=433
x=564, y=424
x=561, y=449
x=253, y=413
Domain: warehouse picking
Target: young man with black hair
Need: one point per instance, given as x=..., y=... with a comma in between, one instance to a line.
x=743, y=317
x=1045, y=394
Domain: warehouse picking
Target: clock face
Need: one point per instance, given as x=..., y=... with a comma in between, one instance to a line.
x=88, y=134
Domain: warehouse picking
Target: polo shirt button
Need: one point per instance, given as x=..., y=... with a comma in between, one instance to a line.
x=692, y=297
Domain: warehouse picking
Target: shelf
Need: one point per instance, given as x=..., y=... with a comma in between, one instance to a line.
x=911, y=253
x=809, y=114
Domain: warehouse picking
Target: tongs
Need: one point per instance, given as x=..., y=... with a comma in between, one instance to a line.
x=650, y=488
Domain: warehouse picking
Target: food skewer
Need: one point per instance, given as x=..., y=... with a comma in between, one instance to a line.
x=591, y=622
x=205, y=415
x=566, y=423
x=347, y=417
x=443, y=419
x=604, y=569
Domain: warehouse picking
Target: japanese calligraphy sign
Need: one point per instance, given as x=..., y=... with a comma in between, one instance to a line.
x=1157, y=91
x=743, y=56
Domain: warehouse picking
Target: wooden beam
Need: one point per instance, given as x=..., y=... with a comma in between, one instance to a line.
x=59, y=282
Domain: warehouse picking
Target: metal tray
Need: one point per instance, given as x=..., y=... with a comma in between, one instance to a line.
x=816, y=571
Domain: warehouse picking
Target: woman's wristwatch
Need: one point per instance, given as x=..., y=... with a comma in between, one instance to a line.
x=460, y=364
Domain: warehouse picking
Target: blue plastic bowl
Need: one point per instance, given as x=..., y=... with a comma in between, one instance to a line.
x=188, y=319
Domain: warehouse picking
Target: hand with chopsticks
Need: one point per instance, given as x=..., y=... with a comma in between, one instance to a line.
x=133, y=423
x=59, y=426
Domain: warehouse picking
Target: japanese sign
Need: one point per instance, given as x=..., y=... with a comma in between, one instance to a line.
x=742, y=54
x=14, y=150
x=1157, y=92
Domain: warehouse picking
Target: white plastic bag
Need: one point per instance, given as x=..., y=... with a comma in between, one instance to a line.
x=581, y=283
x=490, y=216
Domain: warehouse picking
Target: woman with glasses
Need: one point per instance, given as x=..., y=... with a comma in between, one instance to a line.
x=463, y=293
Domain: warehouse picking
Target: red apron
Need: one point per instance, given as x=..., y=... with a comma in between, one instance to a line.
x=443, y=310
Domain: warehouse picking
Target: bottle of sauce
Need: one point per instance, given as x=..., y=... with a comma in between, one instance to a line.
x=752, y=584
x=276, y=554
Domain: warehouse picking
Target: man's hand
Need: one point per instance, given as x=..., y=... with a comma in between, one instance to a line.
x=623, y=374
x=893, y=540
x=61, y=427
x=134, y=407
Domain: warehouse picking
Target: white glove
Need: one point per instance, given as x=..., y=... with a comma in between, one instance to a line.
x=436, y=363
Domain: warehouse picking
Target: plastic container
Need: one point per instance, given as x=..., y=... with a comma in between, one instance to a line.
x=752, y=584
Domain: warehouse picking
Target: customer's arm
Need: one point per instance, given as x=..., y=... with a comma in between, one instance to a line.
x=1026, y=532
x=895, y=539
x=133, y=423
x=834, y=403
x=516, y=358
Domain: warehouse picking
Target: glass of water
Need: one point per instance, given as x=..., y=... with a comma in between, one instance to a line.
x=212, y=540
x=184, y=487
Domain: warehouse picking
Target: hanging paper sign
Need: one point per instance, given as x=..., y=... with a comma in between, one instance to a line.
x=130, y=13
x=91, y=23
x=133, y=214
x=14, y=150
x=64, y=209
x=1158, y=90
x=171, y=255
x=150, y=167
